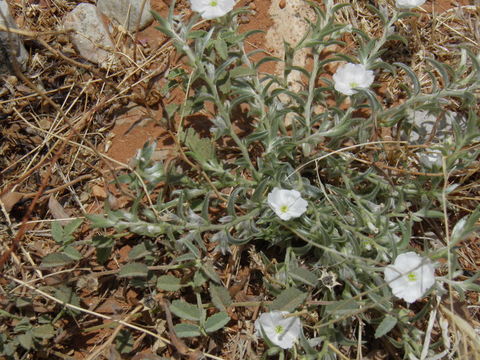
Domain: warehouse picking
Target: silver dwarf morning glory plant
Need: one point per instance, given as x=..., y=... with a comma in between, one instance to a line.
x=326, y=260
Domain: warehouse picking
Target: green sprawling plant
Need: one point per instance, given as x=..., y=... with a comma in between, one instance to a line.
x=324, y=265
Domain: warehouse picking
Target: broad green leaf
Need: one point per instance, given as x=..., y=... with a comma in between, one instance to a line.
x=21, y=302
x=124, y=342
x=343, y=307
x=168, y=283
x=288, y=300
x=303, y=275
x=139, y=251
x=222, y=48
x=199, y=278
x=23, y=325
x=72, y=226
x=220, y=297
x=185, y=310
x=133, y=270
x=208, y=269
x=185, y=257
x=100, y=221
x=387, y=324
x=216, y=322
x=43, y=331
x=242, y=71
x=72, y=253
x=103, y=254
x=103, y=245
x=67, y=295
x=187, y=330
x=102, y=242
x=202, y=149
x=56, y=259
x=57, y=232
x=26, y=340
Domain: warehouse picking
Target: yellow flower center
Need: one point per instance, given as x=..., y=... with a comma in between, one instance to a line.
x=412, y=277
x=353, y=84
x=279, y=329
x=213, y=3
x=284, y=208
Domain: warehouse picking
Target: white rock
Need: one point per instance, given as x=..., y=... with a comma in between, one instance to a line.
x=427, y=126
x=91, y=37
x=289, y=25
x=126, y=12
x=10, y=44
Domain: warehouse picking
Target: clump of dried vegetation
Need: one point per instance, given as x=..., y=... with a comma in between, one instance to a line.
x=56, y=120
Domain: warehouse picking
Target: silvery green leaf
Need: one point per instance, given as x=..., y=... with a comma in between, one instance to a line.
x=26, y=340
x=344, y=307
x=303, y=275
x=139, y=251
x=45, y=331
x=185, y=310
x=72, y=253
x=216, y=322
x=288, y=300
x=224, y=220
x=56, y=259
x=100, y=221
x=168, y=283
x=57, y=232
x=220, y=297
x=72, y=226
x=133, y=270
x=195, y=219
x=199, y=279
x=222, y=48
x=221, y=238
x=67, y=295
x=187, y=241
x=23, y=325
x=209, y=270
x=387, y=324
x=187, y=330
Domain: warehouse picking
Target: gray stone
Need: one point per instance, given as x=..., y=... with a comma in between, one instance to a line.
x=11, y=45
x=90, y=36
x=126, y=12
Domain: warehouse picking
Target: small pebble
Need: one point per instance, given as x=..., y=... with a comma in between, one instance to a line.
x=244, y=19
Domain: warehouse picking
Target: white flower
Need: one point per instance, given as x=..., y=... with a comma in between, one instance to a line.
x=410, y=276
x=279, y=330
x=211, y=9
x=351, y=76
x=287, y=204
x=408, y=4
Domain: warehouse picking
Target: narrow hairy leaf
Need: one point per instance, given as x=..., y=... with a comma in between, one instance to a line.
x=387, y=324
